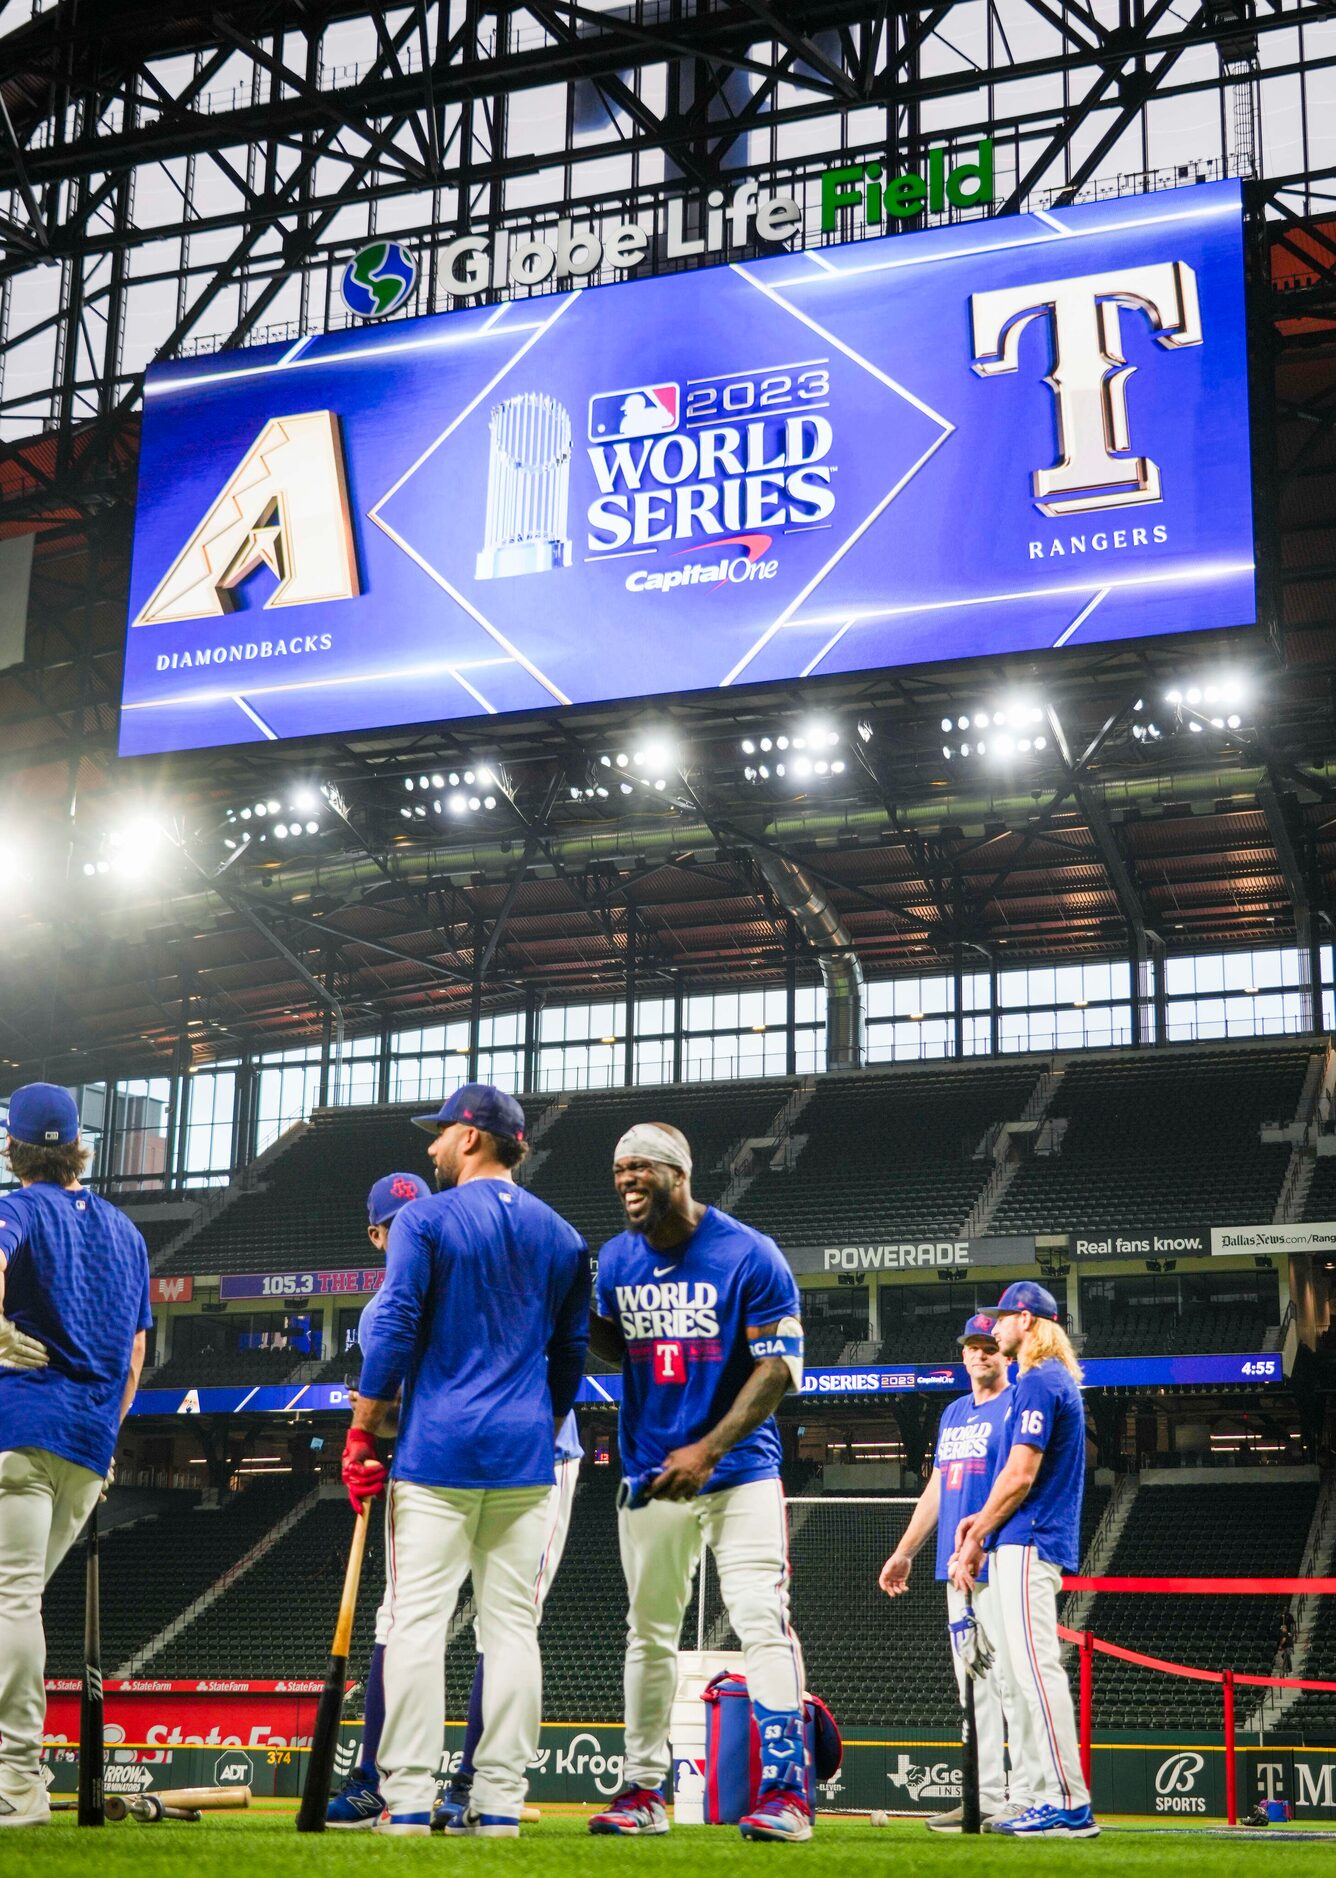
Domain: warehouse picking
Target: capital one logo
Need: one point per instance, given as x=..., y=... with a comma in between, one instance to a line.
x=1089, y=372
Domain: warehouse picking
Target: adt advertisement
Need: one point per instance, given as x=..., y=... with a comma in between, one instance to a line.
x=1011, y=435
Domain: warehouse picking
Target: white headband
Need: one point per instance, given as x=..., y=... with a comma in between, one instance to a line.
x=646, y=1141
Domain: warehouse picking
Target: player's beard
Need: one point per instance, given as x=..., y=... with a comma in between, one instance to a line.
x=446, y=1177
x=660, y=1205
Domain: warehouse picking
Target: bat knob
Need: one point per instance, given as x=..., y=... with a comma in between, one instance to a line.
x=115, y=1807
x=148, y=1809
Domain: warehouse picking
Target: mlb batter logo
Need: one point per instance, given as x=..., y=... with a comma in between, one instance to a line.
x=639, y=411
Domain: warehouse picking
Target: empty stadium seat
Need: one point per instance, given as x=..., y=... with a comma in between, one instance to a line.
x=1161, y=1139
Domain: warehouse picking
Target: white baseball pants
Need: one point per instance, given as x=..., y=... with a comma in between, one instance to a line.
x=437, y=1536
x=746, y=1528
x=992, y=1703
x=1023, y=1602
x=560, y=1508
x=44, y=1503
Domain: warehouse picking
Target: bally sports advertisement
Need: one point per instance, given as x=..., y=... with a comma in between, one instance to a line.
x=1007, y=435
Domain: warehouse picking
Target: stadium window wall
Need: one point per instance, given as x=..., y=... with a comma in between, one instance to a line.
x=425, y=1063
x=210, y=1126
x=228, y=1112
x=287, y=1089
x=1237, y=994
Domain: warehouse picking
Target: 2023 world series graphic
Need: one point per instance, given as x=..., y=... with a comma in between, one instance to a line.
x=1007, y=435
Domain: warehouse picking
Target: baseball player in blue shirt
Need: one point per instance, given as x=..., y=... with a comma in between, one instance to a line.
x=968, y=1454
x=359, y=1802
x=74, y=1319
x=1029, y=1525
x=704, y=1312
x=482, y=1323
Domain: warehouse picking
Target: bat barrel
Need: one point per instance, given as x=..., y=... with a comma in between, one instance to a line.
x=325, y=1734
x=92, y=1755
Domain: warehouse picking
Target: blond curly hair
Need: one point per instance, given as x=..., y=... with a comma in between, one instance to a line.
x=1047, y=1339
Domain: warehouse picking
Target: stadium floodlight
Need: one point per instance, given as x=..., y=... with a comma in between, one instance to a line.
x=304, y=800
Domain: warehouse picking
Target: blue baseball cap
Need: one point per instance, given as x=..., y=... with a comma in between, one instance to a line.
x=44, y=1115
x=391, y=1192
x=980, y=1325
x=478, y=1105
x=1026, y=1295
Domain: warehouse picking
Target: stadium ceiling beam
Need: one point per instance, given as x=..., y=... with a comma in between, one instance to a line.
x=327, y=103
x=804, y=48
x=1053, y=806
x=610, y=53
x=614, y=88
x=532, y=841
x=664, y=42
x=1291, y=868
x=1132, y=89
x=1116, y=865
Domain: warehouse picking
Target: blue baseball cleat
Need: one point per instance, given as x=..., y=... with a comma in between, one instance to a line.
x=448, y=1814
x=636, y=1810
x=778, y=1816
x=356, y=1805
x=1049, y=1822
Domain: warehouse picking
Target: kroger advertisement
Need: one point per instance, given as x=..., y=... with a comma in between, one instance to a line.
x=1009, y=435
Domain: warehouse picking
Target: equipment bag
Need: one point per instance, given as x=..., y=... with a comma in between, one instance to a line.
x=733, y=1749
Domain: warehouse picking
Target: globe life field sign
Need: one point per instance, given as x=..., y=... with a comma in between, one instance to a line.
x=1013, y=434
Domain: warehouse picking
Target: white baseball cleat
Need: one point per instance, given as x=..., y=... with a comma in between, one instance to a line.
x=28, y=1806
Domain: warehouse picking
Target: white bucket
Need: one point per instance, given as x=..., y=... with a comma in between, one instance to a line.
x=696, y=1669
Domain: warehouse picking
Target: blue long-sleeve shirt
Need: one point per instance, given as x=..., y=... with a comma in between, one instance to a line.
x=483, y=1320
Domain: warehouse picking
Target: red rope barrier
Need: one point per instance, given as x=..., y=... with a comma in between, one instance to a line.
x=1227, y=1679
x=1213, y=1587
x=1100, y=1646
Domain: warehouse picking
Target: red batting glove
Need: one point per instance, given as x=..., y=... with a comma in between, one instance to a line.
x=363, y=1470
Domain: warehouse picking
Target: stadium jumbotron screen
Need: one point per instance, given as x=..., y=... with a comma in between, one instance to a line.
x=1013, y=434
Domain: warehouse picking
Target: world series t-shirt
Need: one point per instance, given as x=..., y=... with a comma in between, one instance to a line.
x=77, y=1280
x=1046, y=1413
x=684, y=1315
x=970, y=1446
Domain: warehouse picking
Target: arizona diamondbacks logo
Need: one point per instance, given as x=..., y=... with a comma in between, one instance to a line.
x=378, y=280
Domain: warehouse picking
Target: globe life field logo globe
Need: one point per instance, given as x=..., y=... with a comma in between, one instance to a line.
x=378, y=280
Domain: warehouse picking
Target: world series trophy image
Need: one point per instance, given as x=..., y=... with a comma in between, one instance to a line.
x=528, y=487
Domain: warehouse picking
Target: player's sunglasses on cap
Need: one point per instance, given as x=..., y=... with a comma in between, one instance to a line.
x=391, y=1192
x=978, y=1329
x=1026, y=1295
x=43, y=1115
x=478, y=1105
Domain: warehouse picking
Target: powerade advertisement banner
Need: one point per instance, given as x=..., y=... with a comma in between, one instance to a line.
x=1009, y=435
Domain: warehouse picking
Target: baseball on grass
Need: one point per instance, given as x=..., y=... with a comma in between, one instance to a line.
x=878, y=1818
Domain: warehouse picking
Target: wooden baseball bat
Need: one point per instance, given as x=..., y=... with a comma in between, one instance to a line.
x=117, y=1807
x=970, y=1819
x=325, y=1734
x=149, y=1808
x=92, y=1754
x=207, y=1799
x=530, y=1814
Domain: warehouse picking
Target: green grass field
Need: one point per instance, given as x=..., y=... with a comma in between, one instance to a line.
x=266, y=1842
